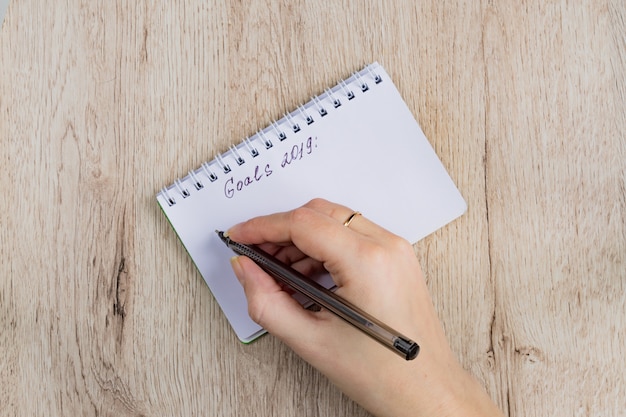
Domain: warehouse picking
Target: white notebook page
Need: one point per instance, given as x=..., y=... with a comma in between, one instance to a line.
x=368, y=154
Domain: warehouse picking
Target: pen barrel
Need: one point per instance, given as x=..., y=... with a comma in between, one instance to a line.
x=327, y=299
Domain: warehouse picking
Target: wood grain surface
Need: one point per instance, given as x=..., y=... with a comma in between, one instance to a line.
x=102, y=103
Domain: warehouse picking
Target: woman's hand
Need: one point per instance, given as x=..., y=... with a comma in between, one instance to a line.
x=378, y=272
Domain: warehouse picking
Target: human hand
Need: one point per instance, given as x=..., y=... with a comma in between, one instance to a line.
x=377, y=271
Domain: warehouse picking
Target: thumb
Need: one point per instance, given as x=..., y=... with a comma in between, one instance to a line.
x=270, y=306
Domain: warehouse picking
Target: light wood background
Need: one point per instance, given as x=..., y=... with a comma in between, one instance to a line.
x=104, y=102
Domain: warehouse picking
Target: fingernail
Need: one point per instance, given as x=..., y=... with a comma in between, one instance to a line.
x=231, y=230
x=237, y=269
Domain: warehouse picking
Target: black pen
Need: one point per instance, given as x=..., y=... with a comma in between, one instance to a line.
x=327, y=299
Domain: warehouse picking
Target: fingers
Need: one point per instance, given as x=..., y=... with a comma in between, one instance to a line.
x=307, y=238
x=316, y=229
x=334, y=211
x=294, y=257
x=272, y=307
x=314, y=233
x=359, y=223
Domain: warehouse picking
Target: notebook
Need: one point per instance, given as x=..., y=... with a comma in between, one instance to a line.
x=356, y=144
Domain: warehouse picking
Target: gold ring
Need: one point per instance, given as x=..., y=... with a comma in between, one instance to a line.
x=352, y=216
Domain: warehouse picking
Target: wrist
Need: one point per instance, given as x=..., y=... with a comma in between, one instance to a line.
x=464, y=396
x=434, y=390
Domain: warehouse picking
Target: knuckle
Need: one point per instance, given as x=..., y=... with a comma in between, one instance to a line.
x=256, y=310
x=316, y=203
x=376, y=254
x=400, y=245
x=301, y=215
x=333, y=210
x=382, y=253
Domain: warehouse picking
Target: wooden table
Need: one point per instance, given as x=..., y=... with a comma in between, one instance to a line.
x=102, y=103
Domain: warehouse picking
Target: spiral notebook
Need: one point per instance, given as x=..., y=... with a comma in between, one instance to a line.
x=356, y=144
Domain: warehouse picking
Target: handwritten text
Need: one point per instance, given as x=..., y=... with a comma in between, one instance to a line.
x=297, y=152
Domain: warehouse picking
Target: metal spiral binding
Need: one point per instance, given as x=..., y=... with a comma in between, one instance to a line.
x=237, y=155
x=219, y=159
x=268, y=143
x=209, y=173
x=307, y=116
x=181, y=189
x=346, y=90
x=196, y=181
x=279, y=133
x=253, y=151
x=294, y=126
x=331, y=98
x=362, y=83
x=170, y=200
x=320, y=109
x=335, y=100
x=377, y=78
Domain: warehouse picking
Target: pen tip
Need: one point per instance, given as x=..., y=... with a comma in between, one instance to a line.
x=223, y=236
